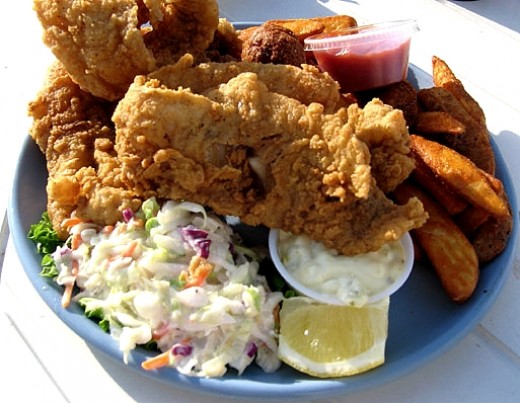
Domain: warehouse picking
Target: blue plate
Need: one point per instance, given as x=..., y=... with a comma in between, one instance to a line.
x=424, y=323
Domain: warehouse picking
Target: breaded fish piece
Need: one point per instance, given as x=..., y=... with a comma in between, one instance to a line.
x=104, y=44
x=246, y=150
x=74, y=131
x=306, y=84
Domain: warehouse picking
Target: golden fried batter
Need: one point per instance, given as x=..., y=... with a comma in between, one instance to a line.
x=74, y=131
x=306, y=84
x=244, y=150
x=104, y=44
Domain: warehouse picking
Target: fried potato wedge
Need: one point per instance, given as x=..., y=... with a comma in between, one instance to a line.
x=401, y=95
x=491, y=238
x=246, y=33
x=451, y=201
x=305, y=27
x=336, y=22
x=443, y=77
x=471, y=218
x=437, y=122
x=302, y=27
x=474, y=143
x=460, y=174
x=448, y=249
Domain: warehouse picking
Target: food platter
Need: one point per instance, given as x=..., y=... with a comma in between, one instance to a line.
x=423, y=322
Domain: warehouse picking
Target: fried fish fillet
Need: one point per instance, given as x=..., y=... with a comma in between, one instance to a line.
x=245, y=149
x=74, y=130
x=306, y=84
x=105, y=44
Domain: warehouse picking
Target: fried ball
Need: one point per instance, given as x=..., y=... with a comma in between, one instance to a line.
x=271, y=43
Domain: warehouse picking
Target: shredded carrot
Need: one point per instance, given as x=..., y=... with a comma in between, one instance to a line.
x=75, y=267
x=159, y=361
x=130, y=249
x=198, y=272
x=67, y=293
x=70, y=222
x=76, y=241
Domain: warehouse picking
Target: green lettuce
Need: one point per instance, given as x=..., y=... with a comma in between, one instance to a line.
x=46, y=240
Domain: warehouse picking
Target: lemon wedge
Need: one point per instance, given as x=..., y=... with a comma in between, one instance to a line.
x=330, y=340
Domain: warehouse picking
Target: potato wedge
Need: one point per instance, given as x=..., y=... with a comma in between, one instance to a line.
x=474, y=143
x=448, y=249
x=491, y=238
x=460, y=174
x=443, y=77
x=302, y=27
x=401, y=95
x=436, y=122
x=451, y=201
x=305, y=27
x=336, y=22
x=471, y=218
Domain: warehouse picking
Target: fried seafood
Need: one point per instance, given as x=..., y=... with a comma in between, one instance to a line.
x=306, y=84
x=226, y=45
x=246, y=150
x=75, y=132
x=104, y=44
x=270, y=43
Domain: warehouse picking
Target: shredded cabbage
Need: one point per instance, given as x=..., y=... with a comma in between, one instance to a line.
x=175, y=275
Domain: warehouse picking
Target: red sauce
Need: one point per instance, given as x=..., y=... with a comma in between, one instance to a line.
x=365, y=68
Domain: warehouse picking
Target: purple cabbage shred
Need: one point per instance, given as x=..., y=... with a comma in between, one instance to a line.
x=183, y=350
x=251, y=350
x=197, y=239
x=128, y=214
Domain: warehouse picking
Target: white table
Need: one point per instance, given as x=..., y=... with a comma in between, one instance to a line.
x=41, y=360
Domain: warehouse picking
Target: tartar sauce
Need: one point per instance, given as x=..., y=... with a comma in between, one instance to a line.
x=351, y=279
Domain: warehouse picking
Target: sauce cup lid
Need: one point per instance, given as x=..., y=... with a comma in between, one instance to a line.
x=363, y=34
x=406, y=242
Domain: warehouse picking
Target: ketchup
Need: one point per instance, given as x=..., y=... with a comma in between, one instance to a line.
x=366, y=67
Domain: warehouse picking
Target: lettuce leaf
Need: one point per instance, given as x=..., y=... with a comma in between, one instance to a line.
x=46, y=241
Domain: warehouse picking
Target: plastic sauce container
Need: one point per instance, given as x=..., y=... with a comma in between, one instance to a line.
x=365, y=57
x=324, y=275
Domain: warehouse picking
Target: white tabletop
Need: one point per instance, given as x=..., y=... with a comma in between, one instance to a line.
x=41, y=360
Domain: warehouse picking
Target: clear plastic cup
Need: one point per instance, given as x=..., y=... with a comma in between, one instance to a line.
x=365, y=57
x=317, y=294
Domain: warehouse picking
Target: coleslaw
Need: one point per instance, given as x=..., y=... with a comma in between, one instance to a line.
x=175, y=275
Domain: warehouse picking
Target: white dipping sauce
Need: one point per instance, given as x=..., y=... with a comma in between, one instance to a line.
x=352, y=279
